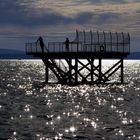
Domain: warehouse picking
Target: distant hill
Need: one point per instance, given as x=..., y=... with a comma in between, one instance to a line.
x=10, y=51
x=134, y=55
x=13, y=54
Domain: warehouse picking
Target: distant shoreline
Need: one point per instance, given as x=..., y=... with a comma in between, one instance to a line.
x=41, y=59
x=22, y=55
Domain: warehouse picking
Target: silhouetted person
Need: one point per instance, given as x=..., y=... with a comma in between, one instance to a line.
x=40, y=40
x=67, y=44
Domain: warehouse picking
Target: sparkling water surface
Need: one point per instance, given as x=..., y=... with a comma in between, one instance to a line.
x=30, y=110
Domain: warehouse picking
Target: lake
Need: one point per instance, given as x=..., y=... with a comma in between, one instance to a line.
x=30, y=110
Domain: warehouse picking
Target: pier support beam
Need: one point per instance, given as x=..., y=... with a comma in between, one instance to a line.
x=79, y=71
x=70, y=70
x=100, y=70
x=92, y=64
x=46, y=74
x=122, y=75
x=76, y=71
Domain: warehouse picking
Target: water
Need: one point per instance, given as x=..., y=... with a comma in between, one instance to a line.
x=30, y=110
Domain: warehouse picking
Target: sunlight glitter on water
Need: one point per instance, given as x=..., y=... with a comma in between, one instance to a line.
x=27, y=108
x=36, y=111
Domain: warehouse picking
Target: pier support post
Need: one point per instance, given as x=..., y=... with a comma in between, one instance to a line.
x=100, y=70
x=76, y=71
x=92, y=63
x=122, y=75
x=70, y=70
x=74, y=74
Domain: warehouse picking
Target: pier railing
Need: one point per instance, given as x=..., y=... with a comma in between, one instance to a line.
x=88, y=47
x=32, y=47
x=57, y=47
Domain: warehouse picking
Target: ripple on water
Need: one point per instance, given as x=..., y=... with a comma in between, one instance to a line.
x=31, y=110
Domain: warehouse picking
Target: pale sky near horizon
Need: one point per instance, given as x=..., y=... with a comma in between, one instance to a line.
x=21, y=19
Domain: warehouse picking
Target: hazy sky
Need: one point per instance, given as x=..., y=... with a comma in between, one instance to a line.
x=20, y=19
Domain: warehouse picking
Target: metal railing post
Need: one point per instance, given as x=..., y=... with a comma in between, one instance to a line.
x=77, y=39
x=117, y=41
x=111, y=40
x=104, y=41
x=98, y=38
x=91, y=41
x=123, y=40
x=128, y=43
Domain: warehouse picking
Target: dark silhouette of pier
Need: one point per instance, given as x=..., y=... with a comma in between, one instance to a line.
x=88, y=45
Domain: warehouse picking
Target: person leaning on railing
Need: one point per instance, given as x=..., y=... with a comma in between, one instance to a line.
x=41, y=43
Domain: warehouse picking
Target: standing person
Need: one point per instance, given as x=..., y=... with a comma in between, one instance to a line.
x=67, y=44
x=40, y=40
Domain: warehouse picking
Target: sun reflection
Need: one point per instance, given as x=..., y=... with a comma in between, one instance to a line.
x=58, y=117
x=29, y=92
x=46, y=96
x=27, y=108
x=134, y=136
x=113, y=107
x=21, y=87
x=127, y=121
x=87, y=119
x=51, y=123
x=38, y=135
x=72, y=129
x=56, y=138
x=3, y=94
x=77, y=114
x=49, y=104
x=120, y=99
x=77, y=107
x=31, y=116
x=14, y=133
x=94, y=124
x=59, y=136
x=12, y=118
x=100, y=101
x=124, y=121
x=119, y=111
x=68, y=114
x=0, y=106
x=13, y=137
x=66, y=130
x=120, y=132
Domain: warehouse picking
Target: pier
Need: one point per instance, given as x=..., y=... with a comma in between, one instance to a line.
x=67, y=63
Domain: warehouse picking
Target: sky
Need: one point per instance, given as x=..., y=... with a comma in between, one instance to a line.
x=24, y=20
